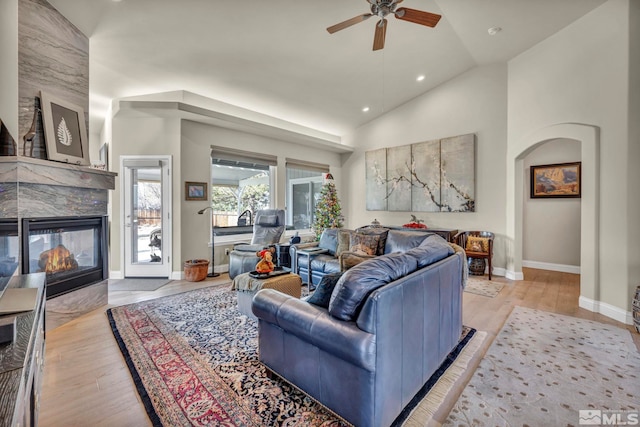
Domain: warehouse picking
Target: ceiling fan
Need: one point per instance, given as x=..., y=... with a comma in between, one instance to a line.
x=382, y=8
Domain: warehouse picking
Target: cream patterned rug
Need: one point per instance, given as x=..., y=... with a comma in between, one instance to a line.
x=482, y=286
x=546, y=369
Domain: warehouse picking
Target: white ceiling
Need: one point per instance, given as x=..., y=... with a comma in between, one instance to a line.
x=275, y=57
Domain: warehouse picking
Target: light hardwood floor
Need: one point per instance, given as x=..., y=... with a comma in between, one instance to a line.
x=87, y=383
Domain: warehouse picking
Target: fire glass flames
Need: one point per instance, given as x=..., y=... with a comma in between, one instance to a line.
x=57, y=260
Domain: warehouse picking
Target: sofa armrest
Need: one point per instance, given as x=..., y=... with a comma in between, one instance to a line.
x=316, y=326
x=349, y=259
x=246, y=247
x=293, y=252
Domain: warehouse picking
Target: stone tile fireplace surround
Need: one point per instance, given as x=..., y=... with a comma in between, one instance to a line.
x=37, y=189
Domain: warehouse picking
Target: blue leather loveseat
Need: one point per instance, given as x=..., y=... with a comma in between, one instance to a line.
x=390, y=323
x=337, y=256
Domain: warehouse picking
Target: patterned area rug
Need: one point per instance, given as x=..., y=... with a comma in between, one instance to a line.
x=544, y=369
x=482, y=286
x=193, y=358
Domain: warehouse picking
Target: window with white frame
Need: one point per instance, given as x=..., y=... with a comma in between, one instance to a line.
x=241, y=184
x=304, y=182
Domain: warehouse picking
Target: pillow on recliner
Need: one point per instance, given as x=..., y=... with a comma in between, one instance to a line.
x=322, y=294
x=358, y=282
x=268, y=220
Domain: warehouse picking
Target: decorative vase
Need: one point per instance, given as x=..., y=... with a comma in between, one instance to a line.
x=636, y=310
x=195, y=270
x=476, y=266
x=34, y=145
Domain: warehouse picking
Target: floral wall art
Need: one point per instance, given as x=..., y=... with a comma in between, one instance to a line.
x=431, y=176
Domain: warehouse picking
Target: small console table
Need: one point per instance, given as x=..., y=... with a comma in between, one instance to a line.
x=22, y=361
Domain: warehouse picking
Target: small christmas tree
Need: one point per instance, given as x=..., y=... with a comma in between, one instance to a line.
x=328, y=213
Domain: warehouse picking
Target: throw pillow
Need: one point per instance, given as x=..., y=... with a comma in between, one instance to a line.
x=363, y=244
x=323, y=291
x=379, y=231
x=477, y=244
x=329, y=240
x=344, y=240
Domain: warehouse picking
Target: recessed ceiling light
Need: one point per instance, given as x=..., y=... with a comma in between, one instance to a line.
x=420, y=78
x=365, y=109
x=494, y=30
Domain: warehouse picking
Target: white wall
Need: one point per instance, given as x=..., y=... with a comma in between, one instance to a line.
x=475, y=102
x=148, y=136
x=551, y=227
x=581, y=75
x=633, y=158
x=196, y=141
x=9, y=66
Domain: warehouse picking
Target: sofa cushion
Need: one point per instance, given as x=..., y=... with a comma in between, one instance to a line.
x=323, y=291
x=319, y=262
x=401, y=241
x=329, y=240
x=432, y=249
x=363, y=244
x=358, y=282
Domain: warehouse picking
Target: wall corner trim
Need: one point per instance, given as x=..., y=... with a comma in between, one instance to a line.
x=514, y=275
x=611, y=311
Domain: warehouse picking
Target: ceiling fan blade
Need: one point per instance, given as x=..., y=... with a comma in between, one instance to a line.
x=349, y=22
x=381, y=32
x=418, y=16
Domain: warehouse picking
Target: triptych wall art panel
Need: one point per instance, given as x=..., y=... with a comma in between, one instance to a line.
x=431, y=176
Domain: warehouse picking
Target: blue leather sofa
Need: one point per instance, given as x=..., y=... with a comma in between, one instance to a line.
x=313, y=268
x=390, y=323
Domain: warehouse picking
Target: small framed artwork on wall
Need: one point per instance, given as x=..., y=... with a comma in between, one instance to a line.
x=65, y=132
x=560, y=180
x=195, y=190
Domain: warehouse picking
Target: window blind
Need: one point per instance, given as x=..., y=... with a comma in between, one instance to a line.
x=248, y=159
x=306, y=165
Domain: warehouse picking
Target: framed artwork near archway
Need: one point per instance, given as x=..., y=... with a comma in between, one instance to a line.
x=560, y=180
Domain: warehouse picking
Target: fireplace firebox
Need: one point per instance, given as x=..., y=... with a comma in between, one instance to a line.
x=71, y=251
x=9, y=247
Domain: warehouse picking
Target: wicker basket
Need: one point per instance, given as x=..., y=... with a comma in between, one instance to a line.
x=196, y=270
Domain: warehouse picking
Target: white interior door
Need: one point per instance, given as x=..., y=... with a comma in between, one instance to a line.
x=146, y=216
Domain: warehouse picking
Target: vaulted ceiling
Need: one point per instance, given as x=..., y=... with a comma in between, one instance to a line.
x=276, y=57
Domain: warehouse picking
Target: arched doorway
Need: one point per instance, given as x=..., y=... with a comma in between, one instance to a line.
x=589, y=210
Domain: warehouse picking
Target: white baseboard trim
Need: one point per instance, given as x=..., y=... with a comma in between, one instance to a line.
x=513, y=275
x=611, y=311
x=115, y=275
x=177, y=275
x=574, y=269
x=220, y=268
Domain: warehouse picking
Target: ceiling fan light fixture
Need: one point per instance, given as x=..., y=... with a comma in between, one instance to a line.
x=365, y=109
x=420, y=78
